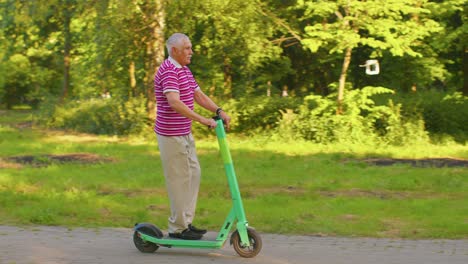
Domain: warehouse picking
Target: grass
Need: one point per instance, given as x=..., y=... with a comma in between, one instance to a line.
x=288, y=188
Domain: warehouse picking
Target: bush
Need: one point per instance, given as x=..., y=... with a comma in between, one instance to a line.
x=361, y=122
x=102, y=116
x=396, y=129
x=447, y=115
x=444, y=114
x=372, y=115
x=253, y=114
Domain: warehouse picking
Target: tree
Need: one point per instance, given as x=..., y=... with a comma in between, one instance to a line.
x=397, y=26
x=230, y=40
x=154, y=17
x=450, y=44
x=69, y=7
x=42, y=34
x=26, y=53
x=121, y=44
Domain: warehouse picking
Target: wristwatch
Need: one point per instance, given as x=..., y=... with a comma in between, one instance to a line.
x=218, y=110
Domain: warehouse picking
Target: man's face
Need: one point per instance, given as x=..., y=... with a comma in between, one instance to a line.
x=182, y=53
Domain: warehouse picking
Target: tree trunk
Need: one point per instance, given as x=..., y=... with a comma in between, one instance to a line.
x=67, y=14
x=465, y=71
x=227, y=72
x=131, y=72
x=342, y=82
x=101, y=82
x=155, y=51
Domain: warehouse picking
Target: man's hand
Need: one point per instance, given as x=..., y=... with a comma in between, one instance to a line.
x=210, y=122
x=226, y=119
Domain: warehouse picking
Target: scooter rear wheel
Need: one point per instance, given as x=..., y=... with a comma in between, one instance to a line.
x=255, y=244
x=146, y=246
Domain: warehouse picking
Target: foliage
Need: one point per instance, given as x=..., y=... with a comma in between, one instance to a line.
x=17, y=80
x=242, y=49
x=450, y=42
x=372, y=116
x=362, y=122
x=102, y=116
x=395, y=26
x=398, y=27
x=256, y=114
x=231, y=41
x=444, y=114
x=253, y=115
x=447, y=115
x=32, y=47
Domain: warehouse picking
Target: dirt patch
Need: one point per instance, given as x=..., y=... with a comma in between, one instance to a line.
x=429, y=162
x=253, y=192
x=349, y=218
x=9, y=165
x=24, y=125
x=48, y=159
x=379, y=194
x=392, y=227
x=133, y=192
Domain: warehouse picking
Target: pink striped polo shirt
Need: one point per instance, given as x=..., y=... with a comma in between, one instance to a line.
x=172, y=77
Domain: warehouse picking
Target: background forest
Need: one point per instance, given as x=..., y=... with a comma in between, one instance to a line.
x=291, y=69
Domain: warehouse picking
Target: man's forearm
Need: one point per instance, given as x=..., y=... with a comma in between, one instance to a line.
x=182, y=109
x=204, y=101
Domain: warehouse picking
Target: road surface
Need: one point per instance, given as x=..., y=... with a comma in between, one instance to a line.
x=59, y=245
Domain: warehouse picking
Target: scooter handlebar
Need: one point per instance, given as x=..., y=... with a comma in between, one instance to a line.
x=216, y=118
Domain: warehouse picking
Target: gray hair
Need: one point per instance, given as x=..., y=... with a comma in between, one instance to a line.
x=174, y=41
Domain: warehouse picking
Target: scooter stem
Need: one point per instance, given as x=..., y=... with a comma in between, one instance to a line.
x=231, y=175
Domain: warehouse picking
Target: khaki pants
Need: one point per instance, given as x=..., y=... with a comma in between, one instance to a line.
x=182, y=173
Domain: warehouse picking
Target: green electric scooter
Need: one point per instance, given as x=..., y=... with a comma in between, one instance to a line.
x=245, y=240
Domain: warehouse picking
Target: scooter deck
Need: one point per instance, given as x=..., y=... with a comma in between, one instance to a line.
x=167, y=241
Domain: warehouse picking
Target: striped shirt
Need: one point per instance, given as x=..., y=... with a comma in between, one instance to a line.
x=172, y=77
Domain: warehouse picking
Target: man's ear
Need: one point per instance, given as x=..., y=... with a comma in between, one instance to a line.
x=173, y=50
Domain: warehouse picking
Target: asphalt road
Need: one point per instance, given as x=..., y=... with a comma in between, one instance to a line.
x=47, y=245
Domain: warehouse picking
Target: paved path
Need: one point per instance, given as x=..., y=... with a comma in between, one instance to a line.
x=57, y=245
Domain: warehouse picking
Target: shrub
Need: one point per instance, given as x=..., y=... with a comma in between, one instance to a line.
x=372, y=115
x=396, y=129
x=444, y=114
x=261, y=113
x=447, y=115
x=361, y=122
x=251, y=115
x=102, y=116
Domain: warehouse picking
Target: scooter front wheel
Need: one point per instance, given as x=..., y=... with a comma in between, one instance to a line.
x=255, y=244
x=147, y=229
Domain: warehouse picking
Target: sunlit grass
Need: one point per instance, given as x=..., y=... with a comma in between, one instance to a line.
x=287, y=187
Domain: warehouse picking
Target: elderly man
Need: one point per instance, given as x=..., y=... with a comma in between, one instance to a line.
x=176, y=90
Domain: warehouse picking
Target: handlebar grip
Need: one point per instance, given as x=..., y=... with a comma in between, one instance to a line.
x=216, y=118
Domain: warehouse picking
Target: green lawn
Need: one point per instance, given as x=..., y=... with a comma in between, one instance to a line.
x=289, y=188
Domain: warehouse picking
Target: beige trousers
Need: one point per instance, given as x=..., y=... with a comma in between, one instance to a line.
x=182, y=173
